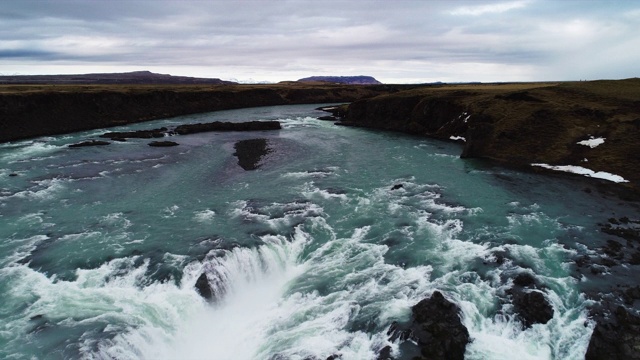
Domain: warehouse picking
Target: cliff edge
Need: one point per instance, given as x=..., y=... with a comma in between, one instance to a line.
x=589, y=128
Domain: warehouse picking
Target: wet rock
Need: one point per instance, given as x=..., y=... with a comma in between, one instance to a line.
x=436, y=327
x=524, y=280
x=163, y=143
x=385, y=353
x=497, y=256
x=583, y=261
x=532, y=307
x=528, y=301
x=616, y=336
x=328, y=118
x=635, y=258
x=227, y=126
x=89, y=143
x=597, y=269
x=203, y=287
x=334, y=357
x=397, y=186
x=139, y=134
x=250, y=152
x=623, y=228
x=613, y=249
x=13, y=174
x=631, y=295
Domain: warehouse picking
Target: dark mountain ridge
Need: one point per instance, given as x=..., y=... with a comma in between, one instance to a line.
x=135, y=77
x=347, y=80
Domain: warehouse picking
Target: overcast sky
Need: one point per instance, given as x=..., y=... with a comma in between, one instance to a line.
x=396, y=41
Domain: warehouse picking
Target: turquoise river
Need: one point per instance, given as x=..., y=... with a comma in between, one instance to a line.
x=311, y=255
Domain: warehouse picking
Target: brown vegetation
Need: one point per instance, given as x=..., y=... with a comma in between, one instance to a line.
x=520, y=124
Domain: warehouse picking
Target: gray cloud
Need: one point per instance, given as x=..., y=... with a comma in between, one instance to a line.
x=395, y=41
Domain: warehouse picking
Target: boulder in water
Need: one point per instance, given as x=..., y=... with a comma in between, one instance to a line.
x=89, y=143
x=163, y=143
x=250, y=152
x=203, y=287
x=436, y=327
x=532, y=307
x=529, y=302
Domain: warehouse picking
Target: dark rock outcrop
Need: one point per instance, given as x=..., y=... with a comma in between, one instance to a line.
x=138, y=134
x=385, y=353
x=89, y=143
x=532, y=307
x=519, y=125
x=163, y=143
x=436, y=327
x=250, y=152
x=616, y=336
x=203, y=287
x=50, y=110
x=529, y=301
x=227, y=126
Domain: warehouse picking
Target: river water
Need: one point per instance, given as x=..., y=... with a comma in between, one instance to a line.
x=311, y=255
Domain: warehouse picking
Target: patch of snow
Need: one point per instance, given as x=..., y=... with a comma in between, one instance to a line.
x=457, y=138
x=592, y=142
x=466, y=116
x=584, y=171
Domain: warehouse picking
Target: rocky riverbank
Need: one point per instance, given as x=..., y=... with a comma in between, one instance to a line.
x=37, y=110
x=589, y=128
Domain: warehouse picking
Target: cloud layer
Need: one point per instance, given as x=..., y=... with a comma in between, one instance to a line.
x=394, y=41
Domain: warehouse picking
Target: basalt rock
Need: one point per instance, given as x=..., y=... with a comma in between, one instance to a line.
x=616, y=336
x=532, y=307
x=529, y=302
x=89, y=143
x=203, y=287
x=50, y=110
x=139, y=134
x=227, y=126
x=519, y=125
x=163, y=143
x=436, y=327
x=250, y=152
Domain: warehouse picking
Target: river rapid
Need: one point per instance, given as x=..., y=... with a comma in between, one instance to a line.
x=312, y=254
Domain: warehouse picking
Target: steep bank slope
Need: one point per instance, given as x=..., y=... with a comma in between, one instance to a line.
x=593, y=125
x=29, y=111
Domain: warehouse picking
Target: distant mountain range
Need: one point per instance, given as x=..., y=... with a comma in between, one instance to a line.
x=135, y=77
x=351, y=80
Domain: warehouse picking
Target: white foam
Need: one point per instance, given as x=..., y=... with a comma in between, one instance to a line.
x=583, y=171
x=277, y=216
x=456, y=138
x=309, y=174
x=170, y=211
x=204, y=216
x=311, y=191
x=41, y=190
x=251, y=282
x=28, y=150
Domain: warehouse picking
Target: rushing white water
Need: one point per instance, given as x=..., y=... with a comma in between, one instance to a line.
x=315, y=254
